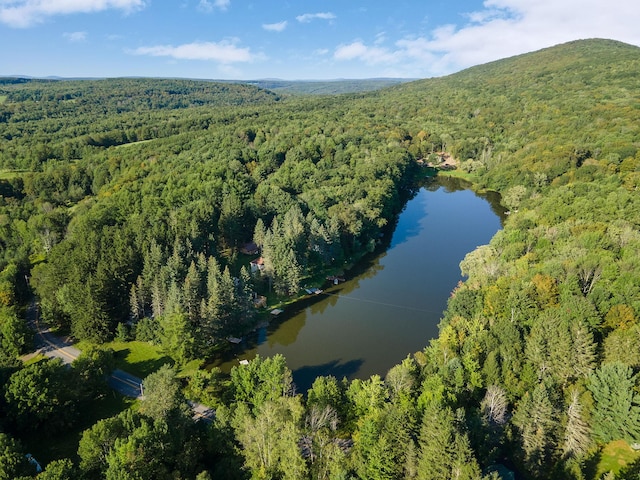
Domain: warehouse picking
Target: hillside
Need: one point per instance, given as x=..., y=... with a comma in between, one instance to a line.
x=45, y=120
x=538, y=112
x=326, y=87
x=536, y=364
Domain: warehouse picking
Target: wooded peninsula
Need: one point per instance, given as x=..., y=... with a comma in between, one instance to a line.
x=127, y=207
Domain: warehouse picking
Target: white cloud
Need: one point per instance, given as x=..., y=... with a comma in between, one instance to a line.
x=275, y=27
x=209, y=6
x=75, y=36
x=367, y=54
x=225, y=52
x=25, y=13
x=503, y=28
x=308, y=17
x=510, y=27
x=380, y=38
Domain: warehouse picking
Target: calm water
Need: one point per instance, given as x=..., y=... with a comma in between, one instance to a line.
x=392, y=304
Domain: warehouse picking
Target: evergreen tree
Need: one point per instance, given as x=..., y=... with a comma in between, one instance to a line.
x=444, y=452
x=616, y=412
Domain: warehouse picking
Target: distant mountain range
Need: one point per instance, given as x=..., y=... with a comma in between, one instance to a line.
x=294, y=87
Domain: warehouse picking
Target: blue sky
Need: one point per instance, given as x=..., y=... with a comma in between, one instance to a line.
x=310, y=39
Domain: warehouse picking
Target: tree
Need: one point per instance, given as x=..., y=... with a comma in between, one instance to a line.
x=577, y=434
x=616, y=412
x=12, y=460
x=514, y=196
x=62, y=469
x=320, y=444
x=97, y=442
x=261, y=380
x=162, y=395
x=537, y=422
x=270, y=439
x=176, y=336
x=41, y=397
x=494, y=406
x=92, y=368
x=15, y=334
x=444, y=452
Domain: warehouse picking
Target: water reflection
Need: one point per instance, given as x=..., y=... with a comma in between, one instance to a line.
x=306, y=375
x=392, y=302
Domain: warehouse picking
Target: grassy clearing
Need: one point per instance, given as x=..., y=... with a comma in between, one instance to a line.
x=3, y=98
x=31, y=359
x=614, y=456
x=138, y=358
x=457, y=174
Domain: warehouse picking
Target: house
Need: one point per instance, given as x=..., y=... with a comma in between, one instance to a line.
x=257, y=265
x=250, y=249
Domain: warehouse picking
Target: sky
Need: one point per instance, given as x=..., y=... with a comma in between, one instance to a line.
x=292, y=40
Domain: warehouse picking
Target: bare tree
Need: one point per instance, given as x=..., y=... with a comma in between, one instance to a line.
x=577, y=435
x=494, y=405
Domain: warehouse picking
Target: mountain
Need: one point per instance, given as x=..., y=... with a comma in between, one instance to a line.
x=126, y=202
x=537, y=112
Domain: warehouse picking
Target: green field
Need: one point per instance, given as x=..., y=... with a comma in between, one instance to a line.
x=614, y=456
x=137, y=358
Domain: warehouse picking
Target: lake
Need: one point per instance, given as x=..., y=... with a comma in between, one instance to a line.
x=391, y=304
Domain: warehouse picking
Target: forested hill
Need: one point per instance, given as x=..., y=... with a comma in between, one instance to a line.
x=57, y=119
x=538, y=112
x=326, y=87
x=536, y=364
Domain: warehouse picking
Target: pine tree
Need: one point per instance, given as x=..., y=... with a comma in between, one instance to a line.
x=444, y=451
x=617, y=404
x=536, y=419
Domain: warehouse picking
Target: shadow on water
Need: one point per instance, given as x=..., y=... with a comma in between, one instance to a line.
x=393, y=297
x=455, y=184
x=305, y=376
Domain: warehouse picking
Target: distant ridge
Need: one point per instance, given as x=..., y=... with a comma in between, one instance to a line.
x=294, y=87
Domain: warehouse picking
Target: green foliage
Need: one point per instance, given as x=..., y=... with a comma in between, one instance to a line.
x=617, y=403
x=58, y=470
x=162, y=395
x=92, y=368
x=96, y=442
x=260, y=381
x=149, y=235
x=15, y=335
x=270, y=439
x=444, y=452
x=41, y=397
x=12, y=459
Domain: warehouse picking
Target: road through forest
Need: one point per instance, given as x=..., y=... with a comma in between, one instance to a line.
x=53, y=346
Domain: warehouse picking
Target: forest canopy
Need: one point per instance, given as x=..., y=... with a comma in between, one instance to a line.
x=126, y=204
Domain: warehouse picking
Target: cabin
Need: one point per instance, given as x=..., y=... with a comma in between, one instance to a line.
x=257, y=265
